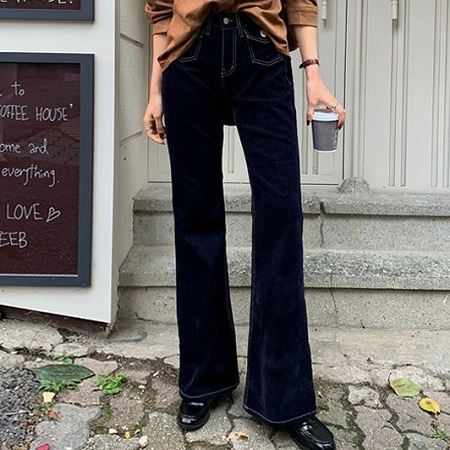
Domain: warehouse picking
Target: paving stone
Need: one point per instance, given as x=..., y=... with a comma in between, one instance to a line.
x=236, y=408
x=163, y=432
x=70, y=431
x=419, y=442
x=345, y=438
x=10, y=360
x=422, y=348
x=204, y=446
x=418, y=375
x=127, y=409
x=363, y=395
x=137, y=374
x=141, y=340
x=258, y=435
x=333, y=411
x=166, y=393
x=16, y=334
x=84, y=395
x=173, y=360
x=111, y=442
x=411, y=417
x=216, y=429
x=282, y=440
x=380, y=434
x=100, y=368
x=75, y=349
x=39, y=362
x=344, y=374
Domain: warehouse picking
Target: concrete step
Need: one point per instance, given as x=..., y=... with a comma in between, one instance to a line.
x=332, y=220
x=374, y=288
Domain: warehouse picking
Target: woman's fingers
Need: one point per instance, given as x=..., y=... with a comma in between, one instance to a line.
x=341, y=113
x=151, y=129
x=309, y=113
x=335, y=106
x=160, y=130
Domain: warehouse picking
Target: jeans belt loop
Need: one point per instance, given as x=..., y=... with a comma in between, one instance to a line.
x=239, y=24
x=209, y=22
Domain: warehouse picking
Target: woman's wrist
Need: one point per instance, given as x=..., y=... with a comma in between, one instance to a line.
x=312, y=72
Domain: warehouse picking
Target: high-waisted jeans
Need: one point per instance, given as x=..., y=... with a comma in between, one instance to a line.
x=233, y=66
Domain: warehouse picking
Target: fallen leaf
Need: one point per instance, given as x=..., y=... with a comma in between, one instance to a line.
x=404, y=387
x=241, y=435
x=62, y=372
x=48, y=396
x=44, y=447
x=430, y=405
x=53, y=415
x=127, y=435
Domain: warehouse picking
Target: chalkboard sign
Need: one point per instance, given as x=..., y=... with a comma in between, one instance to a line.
x=82, y=10
x=46, y=139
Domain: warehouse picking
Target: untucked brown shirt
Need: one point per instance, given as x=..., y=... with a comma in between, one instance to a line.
x=181, y=20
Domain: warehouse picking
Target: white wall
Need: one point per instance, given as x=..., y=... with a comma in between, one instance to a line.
x=133, y=94
x=98, y=301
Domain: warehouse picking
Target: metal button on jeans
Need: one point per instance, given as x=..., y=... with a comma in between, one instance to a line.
x=226, y=20
x=263, y=33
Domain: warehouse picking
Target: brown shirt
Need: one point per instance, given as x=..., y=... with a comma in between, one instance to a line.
x=181, y=20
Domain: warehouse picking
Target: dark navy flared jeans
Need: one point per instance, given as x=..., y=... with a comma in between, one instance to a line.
x=233, y=73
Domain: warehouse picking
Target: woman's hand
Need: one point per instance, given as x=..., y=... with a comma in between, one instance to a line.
x=318, y=94
x=153, y=117
x=316, y=91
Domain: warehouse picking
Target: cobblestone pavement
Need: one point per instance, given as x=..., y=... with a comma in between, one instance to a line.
x=351, y=369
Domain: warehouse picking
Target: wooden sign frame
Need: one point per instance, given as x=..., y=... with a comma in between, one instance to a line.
x=85, y=189
x=85, y=14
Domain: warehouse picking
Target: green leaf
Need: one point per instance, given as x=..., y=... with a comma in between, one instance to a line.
x=404, y=387
x=58, y=373
x=111, y=384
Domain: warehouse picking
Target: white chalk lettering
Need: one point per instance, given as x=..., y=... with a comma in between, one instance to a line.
x=39, y=149
x=10, y=148
x=13, y=239
x=58, y=114
x=14, y=112
x=32, y=172
x=22, y=212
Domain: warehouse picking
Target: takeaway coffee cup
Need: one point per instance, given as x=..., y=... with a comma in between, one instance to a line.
x=324, y=130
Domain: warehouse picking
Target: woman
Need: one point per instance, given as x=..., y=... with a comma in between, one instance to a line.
x=219, y=62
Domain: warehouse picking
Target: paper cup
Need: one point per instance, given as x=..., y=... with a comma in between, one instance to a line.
x=324, y=130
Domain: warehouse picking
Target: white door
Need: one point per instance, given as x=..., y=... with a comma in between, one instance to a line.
x=398, y=85
x=316, y=168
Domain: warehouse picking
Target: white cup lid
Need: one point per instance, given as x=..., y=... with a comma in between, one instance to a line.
x=325, y=116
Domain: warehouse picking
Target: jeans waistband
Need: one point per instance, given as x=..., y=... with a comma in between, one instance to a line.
x=225, y=20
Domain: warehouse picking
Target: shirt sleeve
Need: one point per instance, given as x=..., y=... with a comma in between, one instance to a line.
x=159, y=14
x=301, y=12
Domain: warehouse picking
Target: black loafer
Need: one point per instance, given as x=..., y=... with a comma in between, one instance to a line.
x=312, y=434
x=193, y=414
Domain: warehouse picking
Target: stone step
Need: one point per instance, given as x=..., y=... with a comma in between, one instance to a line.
x=374, y=288
x=333, y=220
